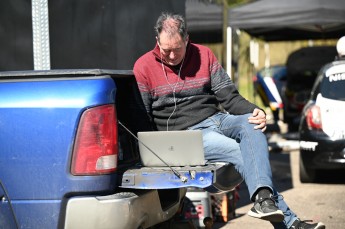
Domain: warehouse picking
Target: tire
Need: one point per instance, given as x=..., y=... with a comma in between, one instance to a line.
x=306, y=175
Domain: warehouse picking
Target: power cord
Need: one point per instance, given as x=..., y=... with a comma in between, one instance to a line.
x=10, y=204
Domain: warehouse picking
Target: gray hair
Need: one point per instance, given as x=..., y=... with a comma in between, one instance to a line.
x=171, y=23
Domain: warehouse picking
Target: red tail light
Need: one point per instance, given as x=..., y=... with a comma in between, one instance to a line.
x=313, y=117
x=96, y=147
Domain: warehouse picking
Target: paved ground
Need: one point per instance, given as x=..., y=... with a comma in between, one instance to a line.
x=323, y=201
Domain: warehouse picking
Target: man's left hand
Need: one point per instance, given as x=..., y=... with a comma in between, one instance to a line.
x=258, y=117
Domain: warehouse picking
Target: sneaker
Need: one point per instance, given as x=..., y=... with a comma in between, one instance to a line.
x=265, y=207
x=298, y=224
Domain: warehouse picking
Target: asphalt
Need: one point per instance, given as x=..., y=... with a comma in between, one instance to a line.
x=322, y=201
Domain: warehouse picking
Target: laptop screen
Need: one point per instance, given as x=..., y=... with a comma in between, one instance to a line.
x=175, y=148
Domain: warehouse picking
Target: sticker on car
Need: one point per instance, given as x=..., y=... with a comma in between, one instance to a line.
x=336, y=73
x=310, y=146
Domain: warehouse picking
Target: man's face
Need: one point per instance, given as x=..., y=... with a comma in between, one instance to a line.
x=172, y=48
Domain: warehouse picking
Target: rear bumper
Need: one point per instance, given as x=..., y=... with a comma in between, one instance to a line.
x=125, y=210
x=318, y=151
x=324, y=159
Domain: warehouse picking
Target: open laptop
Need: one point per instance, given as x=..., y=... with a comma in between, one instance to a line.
x=176, y=148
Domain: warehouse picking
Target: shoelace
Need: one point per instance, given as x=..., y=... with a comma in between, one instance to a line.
x=274, y=198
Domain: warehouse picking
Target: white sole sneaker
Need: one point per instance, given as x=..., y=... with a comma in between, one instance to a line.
x=276, y=217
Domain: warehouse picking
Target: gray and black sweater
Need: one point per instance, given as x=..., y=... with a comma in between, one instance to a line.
x=203, y=85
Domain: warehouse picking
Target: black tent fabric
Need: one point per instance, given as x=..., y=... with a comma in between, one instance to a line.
x=202, y=16
x=281, y=20
x=204, y=21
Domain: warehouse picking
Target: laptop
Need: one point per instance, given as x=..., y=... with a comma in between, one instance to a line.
x=175, y=148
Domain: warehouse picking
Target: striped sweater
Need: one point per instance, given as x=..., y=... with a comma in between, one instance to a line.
x=176, y=103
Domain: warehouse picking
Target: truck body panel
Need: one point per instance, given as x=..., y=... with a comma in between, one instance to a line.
x=39, y=118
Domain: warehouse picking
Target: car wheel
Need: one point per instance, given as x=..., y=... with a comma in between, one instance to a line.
x=306, y=175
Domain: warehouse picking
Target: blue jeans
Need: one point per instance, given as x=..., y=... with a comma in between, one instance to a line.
x=221, y=133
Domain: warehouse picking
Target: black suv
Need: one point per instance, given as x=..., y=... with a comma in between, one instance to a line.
x=322, y=125
x=302, y=67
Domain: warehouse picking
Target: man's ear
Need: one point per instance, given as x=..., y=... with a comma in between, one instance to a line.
x=158, y=42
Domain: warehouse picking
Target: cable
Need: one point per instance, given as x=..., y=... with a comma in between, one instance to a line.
x=175, y=107
x=10, y=204
x=172, y=88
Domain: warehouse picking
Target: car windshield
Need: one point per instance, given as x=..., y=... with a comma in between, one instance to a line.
x=333, y=89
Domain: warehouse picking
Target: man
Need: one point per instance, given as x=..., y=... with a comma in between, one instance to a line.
x=185, y=88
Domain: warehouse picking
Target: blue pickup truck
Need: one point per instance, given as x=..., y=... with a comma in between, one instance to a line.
x=68, y=159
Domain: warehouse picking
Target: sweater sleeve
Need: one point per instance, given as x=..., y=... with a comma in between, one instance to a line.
x=226, y=91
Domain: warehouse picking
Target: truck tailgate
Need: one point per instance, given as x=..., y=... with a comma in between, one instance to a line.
x=215, y=178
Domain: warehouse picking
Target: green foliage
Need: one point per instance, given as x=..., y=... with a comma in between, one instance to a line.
x=231, y=3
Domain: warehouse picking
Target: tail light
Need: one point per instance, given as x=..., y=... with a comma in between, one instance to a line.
x=96, y=147
x=313, y=116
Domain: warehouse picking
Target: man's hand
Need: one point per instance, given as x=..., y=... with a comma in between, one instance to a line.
x=259, y=118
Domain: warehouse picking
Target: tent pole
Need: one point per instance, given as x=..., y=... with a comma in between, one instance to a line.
x=225, y=26
x=40, y=30
x=229, y=52
x=267, y=55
